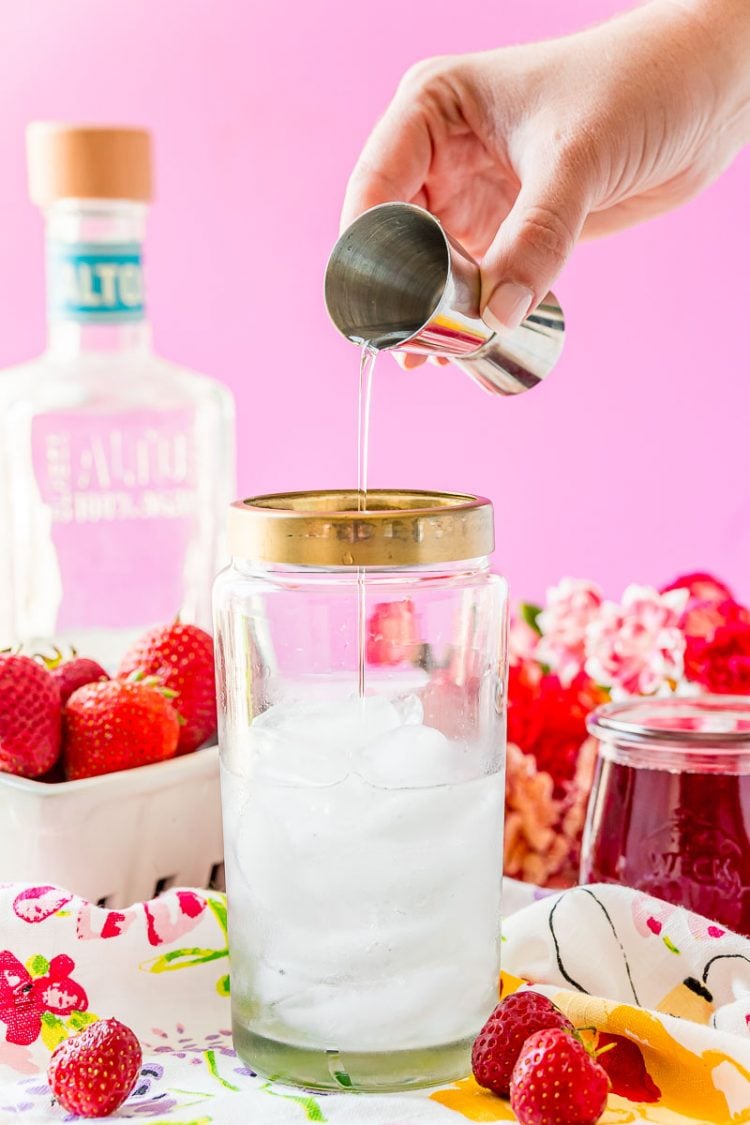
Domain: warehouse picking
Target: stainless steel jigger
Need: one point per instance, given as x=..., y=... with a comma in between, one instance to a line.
x=397, y=280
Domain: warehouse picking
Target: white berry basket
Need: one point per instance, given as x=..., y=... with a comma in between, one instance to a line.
x=119, y=838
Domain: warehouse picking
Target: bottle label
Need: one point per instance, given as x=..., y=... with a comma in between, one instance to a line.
x=121, y=497
x=95, y=282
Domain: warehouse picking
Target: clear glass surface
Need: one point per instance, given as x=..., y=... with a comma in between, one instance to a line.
x=363, y=834
x=116, y=468
x=669, y=812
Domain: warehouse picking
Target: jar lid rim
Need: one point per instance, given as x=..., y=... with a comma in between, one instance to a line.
x=719, y=722
x=399, y=527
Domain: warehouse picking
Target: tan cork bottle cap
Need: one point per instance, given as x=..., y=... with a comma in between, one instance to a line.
x=87, y=162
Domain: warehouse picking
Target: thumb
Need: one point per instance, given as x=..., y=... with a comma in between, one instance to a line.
x=531, y=247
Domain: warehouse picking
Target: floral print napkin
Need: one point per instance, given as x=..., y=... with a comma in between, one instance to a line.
x=669, y=989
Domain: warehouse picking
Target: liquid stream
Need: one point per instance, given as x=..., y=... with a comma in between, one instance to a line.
x=366, y=370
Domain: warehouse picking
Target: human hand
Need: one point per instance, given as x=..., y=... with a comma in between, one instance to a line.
x=520, y=151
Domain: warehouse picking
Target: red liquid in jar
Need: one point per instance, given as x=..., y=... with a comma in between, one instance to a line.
x=682, y=837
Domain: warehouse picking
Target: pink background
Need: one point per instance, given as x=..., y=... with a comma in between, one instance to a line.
x=630, y=464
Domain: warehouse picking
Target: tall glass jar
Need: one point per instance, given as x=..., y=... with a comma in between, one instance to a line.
x=670, y=807
x=361, y=667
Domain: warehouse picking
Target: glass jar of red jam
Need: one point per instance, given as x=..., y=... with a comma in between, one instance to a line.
x=669, y=812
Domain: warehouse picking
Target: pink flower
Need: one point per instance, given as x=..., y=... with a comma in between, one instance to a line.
x=172, y=915
x=17, y=1057
x=650, y=916
x=167, y=917
x=393, y=633
x=637, y=648
x=95, y=922
x=36, y=904
x=522, y=641
x=571, y=607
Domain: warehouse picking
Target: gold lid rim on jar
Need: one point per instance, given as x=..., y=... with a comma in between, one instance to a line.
x=325, y=528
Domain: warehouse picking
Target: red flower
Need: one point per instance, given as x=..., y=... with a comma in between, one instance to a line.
x=57, y=992
x=23, y=999
x=701, y=587
x=548, y=719
x=701, y=619
x=19, y=1008
x=717, y=653
x=626, y=1068
x=392, y=635
x=524, y=713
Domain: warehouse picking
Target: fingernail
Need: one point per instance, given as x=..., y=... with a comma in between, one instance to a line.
x=507, y=306
x=407, y=361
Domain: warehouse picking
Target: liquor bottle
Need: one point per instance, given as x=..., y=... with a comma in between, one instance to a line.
x=115, y=466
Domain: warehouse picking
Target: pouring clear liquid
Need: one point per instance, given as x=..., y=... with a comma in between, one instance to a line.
x=368, y=356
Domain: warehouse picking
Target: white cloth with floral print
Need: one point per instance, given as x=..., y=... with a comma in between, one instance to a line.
x=162, y=967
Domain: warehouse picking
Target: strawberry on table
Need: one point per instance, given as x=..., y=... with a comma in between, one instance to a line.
x=499, y=1043
x=182, y=659
x=29, y=717
x=94, y=1072
x=117, y=725
x=73, y=672
x=557, y=1082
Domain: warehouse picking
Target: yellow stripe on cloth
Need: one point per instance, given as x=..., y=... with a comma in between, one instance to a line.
x=710, y=1086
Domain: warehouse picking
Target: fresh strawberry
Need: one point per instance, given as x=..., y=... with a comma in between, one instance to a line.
x=29, y=717
x=499, y=1043
x=93, y=1073
x=117, y=725
x=557, y=1082
x=182, y=659
x=74, y=673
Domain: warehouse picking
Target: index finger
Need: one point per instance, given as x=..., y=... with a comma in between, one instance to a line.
x=393, y=164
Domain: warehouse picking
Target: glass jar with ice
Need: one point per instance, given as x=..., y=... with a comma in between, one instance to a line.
x=361, y=678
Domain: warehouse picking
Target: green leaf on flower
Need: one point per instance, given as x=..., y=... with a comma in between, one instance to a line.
x=312, y=1109
x=182, y=959
x=218, y=908
x=54, y=1031
x=529, y=613
x=76, y=1021
x=213, y=1070
x=37, y=966
x=222, y=985
x=670, y=944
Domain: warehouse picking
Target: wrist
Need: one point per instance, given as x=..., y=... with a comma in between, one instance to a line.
x=718, y=34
